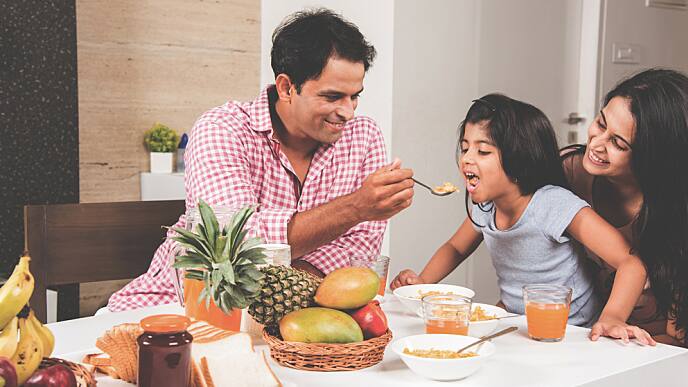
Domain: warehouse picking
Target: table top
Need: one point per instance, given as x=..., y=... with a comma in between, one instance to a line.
x=518, y=361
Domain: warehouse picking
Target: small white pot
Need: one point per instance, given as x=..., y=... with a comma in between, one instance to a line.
x=161, y=162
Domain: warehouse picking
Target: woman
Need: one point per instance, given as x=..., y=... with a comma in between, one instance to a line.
x=633, y=172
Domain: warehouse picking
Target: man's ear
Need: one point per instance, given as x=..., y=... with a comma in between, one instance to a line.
x=284, y=87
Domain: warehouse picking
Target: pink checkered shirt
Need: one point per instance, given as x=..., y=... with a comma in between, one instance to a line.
x=233, y=159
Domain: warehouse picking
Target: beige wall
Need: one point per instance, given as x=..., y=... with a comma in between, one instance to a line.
x=142, y=62
x=157, y=60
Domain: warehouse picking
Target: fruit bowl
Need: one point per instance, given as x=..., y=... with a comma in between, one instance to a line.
x=410, y=295
x=442, y=369
x=326, y=357
x=485, y=327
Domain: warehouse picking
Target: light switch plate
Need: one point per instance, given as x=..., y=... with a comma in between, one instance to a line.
x=625, y=53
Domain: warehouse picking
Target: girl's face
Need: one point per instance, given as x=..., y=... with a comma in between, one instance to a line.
x=610, y=138
x=481, y=164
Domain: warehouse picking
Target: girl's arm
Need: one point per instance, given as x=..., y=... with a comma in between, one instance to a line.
x=608, y=243
x=459, y=247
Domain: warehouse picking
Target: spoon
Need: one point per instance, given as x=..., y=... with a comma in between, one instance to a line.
x=432, y=190
x=490, y=337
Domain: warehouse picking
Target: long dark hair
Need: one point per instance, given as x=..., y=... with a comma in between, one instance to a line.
x=659, y=103
x=305, y=40
x=658, y=100
x=525, y=138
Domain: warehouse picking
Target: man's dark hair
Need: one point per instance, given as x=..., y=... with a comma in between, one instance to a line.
x=304, y=41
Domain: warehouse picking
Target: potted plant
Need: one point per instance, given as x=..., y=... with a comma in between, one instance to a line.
x=161, y=142
x=221, y=267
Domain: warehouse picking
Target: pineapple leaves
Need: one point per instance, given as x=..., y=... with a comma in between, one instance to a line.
x=225, y=259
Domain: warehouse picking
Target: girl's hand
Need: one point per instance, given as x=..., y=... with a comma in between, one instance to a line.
x=406, y=277
x=620, y=330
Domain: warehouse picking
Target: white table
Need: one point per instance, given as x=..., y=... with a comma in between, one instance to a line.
x=518, y=361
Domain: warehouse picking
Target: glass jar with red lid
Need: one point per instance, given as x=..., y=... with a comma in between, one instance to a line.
x=165, y=351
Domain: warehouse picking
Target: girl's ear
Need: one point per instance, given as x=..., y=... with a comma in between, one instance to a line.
x=284, y=87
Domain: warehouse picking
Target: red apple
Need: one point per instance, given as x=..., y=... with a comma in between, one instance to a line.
x=53, y=376
x=371, y=319
x=8, y=373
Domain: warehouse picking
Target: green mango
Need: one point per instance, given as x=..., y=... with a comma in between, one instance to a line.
x=348, y=288
x=320, y=325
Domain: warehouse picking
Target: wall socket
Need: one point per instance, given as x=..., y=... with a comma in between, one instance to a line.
x=572, y=137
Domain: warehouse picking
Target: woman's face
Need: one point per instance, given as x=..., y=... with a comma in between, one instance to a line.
x=610, y=138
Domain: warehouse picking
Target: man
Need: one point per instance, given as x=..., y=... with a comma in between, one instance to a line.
x=316, y=171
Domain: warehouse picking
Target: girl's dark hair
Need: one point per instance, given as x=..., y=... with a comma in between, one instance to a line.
x=525, y=138
x=658, y=100
x=304, y=41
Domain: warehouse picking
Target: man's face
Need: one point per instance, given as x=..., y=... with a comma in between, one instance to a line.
x=325, y=104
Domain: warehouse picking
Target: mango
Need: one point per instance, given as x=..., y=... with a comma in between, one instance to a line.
x=320, y=325
x=348, y=288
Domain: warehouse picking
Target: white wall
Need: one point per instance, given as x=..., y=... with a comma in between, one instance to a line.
x=435, y=79
x=660, y=33
x=375, y=19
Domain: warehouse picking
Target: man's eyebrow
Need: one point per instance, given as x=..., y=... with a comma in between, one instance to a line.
x=337, y=92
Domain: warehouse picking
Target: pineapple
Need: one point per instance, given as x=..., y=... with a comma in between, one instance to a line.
x=284, y=289
x=223, y=258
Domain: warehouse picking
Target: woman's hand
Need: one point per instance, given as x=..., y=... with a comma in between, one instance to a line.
x=406, y=277
x=620, y=330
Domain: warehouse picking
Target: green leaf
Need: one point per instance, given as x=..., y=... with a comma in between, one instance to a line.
x=220, y=245
x=216, y=277
x=227, y=272
x=194, y=275
x=209, y=222
x=255, y=255
x=190, y=240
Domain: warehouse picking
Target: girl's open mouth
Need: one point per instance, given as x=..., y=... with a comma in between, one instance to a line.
x=472, y=181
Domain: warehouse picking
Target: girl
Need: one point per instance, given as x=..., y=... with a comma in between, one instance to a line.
x=510, y=160
x=633, y=173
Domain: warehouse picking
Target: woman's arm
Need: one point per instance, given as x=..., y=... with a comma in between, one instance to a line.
x=459, y=247
x=608, y=243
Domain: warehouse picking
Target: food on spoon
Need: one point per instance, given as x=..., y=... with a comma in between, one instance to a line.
x=438, y=353
x=320, y=325
x=445, y=188
x=479, y=314
x=348, y=288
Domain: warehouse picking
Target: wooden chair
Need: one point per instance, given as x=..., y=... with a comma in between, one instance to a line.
x=74, y=243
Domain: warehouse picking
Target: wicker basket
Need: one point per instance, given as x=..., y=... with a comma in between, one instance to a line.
x=326, y=357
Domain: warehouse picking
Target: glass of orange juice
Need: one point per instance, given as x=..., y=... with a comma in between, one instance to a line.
x=379, y=264
x=547, y=311
x=449, y=313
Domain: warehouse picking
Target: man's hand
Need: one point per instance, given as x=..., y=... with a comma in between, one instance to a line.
x=406, y=277
x=384, y=193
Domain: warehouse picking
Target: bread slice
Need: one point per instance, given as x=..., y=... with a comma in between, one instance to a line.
x=239, y=370
x=239, y=343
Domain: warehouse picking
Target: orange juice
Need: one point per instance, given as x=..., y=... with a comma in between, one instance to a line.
x=451, y=327
x=213, y=315
x=383, y=285
x=547, y=321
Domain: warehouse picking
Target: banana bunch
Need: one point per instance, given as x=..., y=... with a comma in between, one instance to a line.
x=23, y=338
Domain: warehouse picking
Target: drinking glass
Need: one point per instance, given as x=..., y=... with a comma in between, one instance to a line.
x=448, y=313
x=378, y=263
x=547, y=311
x=277, y=254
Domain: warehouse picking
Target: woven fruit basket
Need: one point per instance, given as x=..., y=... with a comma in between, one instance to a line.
x=326, y=357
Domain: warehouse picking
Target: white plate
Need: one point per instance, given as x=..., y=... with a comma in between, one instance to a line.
x=482, y=328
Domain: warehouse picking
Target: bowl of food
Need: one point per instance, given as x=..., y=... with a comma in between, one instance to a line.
x=484, y=319
x=434, y=356
x=411, y=295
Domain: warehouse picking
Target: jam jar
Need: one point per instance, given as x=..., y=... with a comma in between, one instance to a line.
x=164, y=351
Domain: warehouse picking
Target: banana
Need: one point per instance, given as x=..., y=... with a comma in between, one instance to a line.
x=15, y=293
x=8, y=338
x=46, y=336
x=29, y=352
